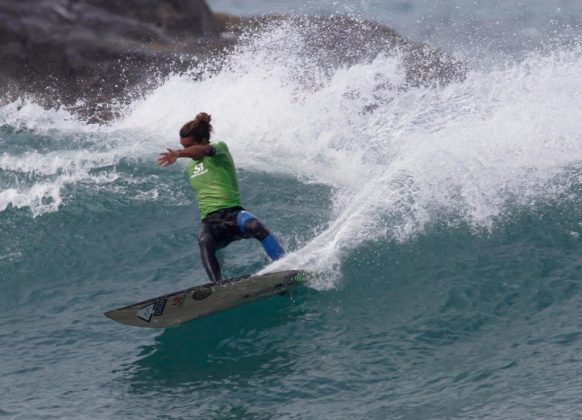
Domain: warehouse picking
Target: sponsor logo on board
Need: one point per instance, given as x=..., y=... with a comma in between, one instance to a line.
x=201, y=293
x=298, y=277
x=146, y=313
x=178, y=300
x=160, y=305
x=153, y=309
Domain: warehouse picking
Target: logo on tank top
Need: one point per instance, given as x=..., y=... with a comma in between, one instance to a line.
x=199, y=169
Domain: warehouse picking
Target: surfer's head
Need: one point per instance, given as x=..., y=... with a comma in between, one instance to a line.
x=196, y=131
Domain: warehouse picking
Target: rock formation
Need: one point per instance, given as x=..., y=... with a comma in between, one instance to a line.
x=98, y=50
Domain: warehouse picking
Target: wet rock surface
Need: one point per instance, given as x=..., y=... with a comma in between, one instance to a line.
x=96, y=51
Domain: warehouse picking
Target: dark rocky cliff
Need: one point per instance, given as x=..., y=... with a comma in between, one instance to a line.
x=93, y=49
x=98, y=50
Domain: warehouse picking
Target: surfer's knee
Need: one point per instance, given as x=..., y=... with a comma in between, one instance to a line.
x=255, y=229
x=206, y=241
x=208, y=256
x=252, y=227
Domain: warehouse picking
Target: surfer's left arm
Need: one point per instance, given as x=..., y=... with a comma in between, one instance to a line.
x=193, y=152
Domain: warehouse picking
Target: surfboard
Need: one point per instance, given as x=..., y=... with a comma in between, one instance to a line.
x=195, y=302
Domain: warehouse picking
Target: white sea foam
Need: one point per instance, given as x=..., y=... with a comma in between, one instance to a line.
x=396, y=157
x=25, y=113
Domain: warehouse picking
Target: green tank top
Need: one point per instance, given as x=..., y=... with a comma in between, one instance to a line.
x=214, y=180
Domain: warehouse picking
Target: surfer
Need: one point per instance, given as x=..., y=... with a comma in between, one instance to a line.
x=212, y=175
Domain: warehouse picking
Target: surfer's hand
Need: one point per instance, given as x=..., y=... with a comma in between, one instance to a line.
x=167, y=158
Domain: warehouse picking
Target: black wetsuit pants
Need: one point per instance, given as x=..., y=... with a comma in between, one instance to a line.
x=219, y=229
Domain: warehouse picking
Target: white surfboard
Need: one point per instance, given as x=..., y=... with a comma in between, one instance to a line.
x=188, y=304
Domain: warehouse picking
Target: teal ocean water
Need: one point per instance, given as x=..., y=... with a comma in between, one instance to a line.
x=445, y=223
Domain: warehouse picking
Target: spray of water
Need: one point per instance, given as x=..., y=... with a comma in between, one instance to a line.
x=396, y=157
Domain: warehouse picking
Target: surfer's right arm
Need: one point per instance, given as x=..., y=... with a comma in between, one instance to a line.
x=193, y=152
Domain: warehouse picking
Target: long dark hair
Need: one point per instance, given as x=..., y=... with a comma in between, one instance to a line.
x=199, y=128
